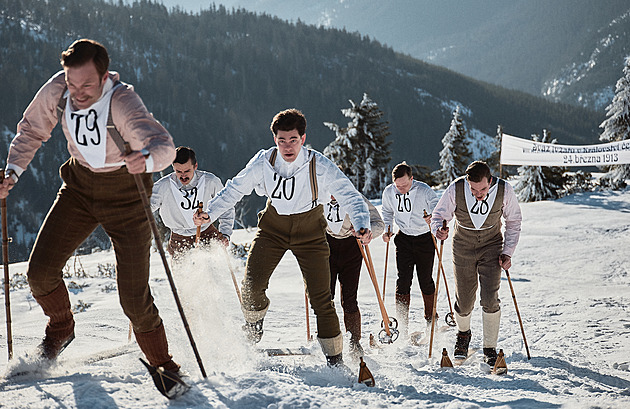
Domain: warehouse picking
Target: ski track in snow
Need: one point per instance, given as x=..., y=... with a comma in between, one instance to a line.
x=570, y=277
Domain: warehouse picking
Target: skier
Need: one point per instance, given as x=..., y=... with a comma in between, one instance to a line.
x=345, y=263
x=98, y=189
x=177, y=196
x=404, y=202
x=293, y=219
x=478, y=201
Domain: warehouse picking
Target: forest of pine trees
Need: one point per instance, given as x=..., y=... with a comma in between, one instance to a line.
x=216, y=78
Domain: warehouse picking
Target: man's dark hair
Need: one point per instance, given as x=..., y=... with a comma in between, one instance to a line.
x=288, y=120
x=83, y=51
x=401, y=170
x=478, y=170
x=184, y=154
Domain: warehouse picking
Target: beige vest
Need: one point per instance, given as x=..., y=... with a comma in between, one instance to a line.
x=464, y=227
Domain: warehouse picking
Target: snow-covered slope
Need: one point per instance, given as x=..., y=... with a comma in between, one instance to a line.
x=571, y=279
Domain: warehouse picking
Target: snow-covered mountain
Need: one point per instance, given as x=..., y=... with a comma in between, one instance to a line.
x=570, y=276
x=568, y=50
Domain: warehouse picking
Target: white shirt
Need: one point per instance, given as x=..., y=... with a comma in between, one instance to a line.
x=408, y=210
x=330, y=180
x=169, y=206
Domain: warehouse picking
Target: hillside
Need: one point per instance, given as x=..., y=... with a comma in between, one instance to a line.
x=569, y=50
x=216, y=78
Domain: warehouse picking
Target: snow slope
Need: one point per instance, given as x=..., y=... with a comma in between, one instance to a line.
x=570, y=276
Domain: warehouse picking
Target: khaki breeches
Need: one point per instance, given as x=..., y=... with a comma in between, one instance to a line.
x=305, y=235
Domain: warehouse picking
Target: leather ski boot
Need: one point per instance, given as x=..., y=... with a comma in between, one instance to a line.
x=461, y=345
x=254, y=330
x=429, y=300
x=60, y=326
x=335, y=360
x=402, y=313
x=490, y=356
x=352, y=320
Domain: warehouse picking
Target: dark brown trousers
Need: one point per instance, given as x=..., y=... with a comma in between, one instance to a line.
x=178, y=244
x=85, y=200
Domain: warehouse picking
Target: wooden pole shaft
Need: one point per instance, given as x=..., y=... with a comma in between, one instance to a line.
x=365, y=252
x=389, y=228
x=437, y=285
x=156, y=235
x=518, y=314
x=5, y=259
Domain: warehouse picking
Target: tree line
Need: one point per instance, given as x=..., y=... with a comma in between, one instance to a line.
x=216, y=78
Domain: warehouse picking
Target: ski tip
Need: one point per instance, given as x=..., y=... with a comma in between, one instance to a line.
x=168, y=383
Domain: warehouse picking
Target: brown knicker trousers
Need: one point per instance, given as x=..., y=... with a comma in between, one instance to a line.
x=476, y=264
x=85, y=200
x=305, y=235
x=178, y=244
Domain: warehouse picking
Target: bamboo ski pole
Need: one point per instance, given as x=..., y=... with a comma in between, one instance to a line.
x=365, y=252
x=238, y=292
x=5, y=259
x=441, y=267
x=198, y=235
x=308, y=323
x=437, y=285
x=389, y=228
x=518, y=314
x=156, y=235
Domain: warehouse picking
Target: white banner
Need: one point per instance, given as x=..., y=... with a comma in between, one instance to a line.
x=518, y=151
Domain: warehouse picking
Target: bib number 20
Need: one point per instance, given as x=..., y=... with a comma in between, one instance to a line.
x=285, y=188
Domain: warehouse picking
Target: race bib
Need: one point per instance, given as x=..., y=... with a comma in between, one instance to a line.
x=404, y=205
x=479, y=209
x=188, y=200
x=88, y=129
x=286, y=194
x=335, y=215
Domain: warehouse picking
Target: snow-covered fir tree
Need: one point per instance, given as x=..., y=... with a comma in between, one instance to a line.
x=455, y=156
x=494, y=160
x=617, y=128
x=361, y=149
x=539, y=182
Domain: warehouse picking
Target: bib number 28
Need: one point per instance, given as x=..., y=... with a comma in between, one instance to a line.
x=480, y=207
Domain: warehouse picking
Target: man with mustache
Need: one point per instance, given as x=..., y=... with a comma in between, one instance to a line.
x=176, y=196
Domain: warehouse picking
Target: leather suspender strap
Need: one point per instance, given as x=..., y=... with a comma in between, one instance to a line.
x=272, y=159
x=116, y=136
x=61, y=105
x=312, y=173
